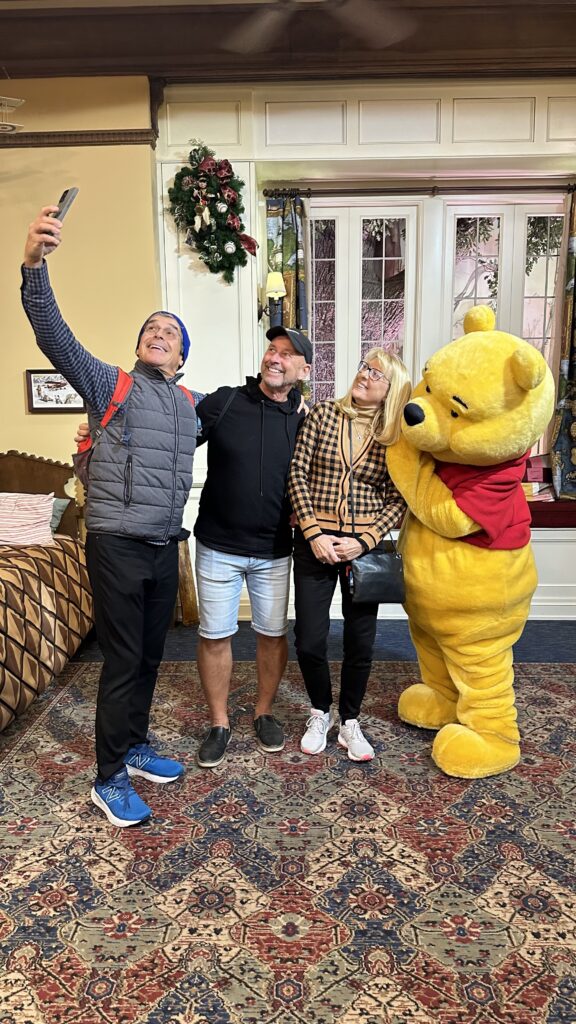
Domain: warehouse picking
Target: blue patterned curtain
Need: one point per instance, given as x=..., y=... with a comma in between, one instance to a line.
x=286, y=253
x=564, y=437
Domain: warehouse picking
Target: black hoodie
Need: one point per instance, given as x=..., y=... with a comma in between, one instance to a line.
x=244, y=509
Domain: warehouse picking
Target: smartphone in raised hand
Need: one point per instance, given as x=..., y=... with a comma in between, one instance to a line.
x=65, y=202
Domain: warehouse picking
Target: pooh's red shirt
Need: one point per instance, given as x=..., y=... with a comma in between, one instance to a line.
x=493, y=497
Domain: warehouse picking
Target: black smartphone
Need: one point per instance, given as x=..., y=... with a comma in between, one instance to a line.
x=65, y=202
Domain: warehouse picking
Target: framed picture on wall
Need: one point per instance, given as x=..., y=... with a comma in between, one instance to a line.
x=49, y=391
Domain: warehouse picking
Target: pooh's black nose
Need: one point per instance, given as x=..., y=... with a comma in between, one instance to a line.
x=413, y=414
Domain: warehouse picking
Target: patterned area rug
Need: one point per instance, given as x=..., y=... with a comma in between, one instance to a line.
x=285, y=889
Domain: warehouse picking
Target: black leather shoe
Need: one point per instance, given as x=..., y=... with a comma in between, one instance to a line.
x=213, y=748
x=269, y=733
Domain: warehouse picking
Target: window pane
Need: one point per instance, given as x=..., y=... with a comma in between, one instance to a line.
x=324, y=279
x=373, y=238
x=325, y=239
x=533, y=326
x=324, y=362
x=393, y=322
x=475, y=266
x=383, y=282
x=371, y=279
x=322, y=391
x=324, y=321
x=536, y=280
x=543, y=240
x=323, y=305
x=371, y=321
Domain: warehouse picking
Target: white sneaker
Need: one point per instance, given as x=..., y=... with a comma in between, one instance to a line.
x=317, y=728
x=351, y=737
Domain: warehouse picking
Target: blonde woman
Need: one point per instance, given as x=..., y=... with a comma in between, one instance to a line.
x=337, y=434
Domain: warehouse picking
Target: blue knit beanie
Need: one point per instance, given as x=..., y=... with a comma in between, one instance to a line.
x=185, y=338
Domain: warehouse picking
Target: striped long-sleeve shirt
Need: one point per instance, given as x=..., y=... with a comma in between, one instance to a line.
x=319, y=481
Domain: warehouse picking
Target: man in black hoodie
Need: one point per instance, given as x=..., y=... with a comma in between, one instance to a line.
x=243, y=532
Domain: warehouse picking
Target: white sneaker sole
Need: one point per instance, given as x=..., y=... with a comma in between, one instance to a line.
x=318, y=751
x=119, y=822
x=353, y=757
x=152, y=778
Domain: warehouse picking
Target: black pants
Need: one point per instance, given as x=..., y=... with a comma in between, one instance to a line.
x=134, y=586
x=314, y=585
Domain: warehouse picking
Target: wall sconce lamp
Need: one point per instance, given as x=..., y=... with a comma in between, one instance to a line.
x=275, y=289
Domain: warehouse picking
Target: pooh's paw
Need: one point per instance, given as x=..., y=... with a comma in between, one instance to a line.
x=466, y=754
x=422, y=706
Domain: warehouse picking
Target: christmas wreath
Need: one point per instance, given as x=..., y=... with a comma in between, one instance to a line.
x=206, y=202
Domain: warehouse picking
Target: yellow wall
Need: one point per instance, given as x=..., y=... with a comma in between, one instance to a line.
x=105, y=273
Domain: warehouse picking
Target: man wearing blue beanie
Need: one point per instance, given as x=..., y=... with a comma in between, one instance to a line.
x=139, y=481
x=148, y=328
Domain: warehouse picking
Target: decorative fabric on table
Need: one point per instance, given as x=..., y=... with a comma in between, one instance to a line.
x=45, y=613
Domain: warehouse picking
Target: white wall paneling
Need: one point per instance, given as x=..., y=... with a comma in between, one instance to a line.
x=493, y=120
x=561, y=125
x=555, y=554
x=310, y=123
x=414, y=121
x=219, y=122
x=355, y=121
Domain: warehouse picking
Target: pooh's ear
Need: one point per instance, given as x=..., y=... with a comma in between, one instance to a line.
x=528, y=367
x=479, y=318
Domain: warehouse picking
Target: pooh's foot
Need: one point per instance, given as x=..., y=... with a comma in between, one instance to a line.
x=422, y=706
x=465, y=754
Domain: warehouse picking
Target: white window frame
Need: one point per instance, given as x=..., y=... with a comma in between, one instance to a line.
x=348, y=212
x=513, y=212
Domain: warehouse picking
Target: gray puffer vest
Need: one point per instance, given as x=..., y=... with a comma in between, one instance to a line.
x=141, y=468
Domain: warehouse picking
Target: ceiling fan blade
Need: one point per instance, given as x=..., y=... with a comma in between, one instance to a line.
x=258, y=31
x=376, y=25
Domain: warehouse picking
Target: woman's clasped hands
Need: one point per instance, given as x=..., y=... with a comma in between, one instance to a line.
x=331, y=550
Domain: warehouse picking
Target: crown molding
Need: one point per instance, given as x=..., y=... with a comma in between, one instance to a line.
x=41, y=140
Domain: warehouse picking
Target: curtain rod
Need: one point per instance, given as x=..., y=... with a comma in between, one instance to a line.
x=431, y=190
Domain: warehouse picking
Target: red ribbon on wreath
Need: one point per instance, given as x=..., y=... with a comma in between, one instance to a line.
x=248, y=243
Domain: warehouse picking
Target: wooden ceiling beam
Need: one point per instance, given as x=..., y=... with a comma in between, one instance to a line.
x=185, y=44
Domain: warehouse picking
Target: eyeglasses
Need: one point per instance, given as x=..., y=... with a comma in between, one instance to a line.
x=373, y=374
x=170, y=332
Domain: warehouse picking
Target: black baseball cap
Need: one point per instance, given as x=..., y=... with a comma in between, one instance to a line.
x=301, y=343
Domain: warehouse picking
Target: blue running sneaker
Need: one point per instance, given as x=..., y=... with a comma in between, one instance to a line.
x=143, y=760
x=119, y=801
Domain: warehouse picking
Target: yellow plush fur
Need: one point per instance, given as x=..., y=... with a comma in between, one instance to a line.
x=484, y=399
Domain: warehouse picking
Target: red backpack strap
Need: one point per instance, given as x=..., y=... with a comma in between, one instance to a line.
x=81, y=458
x=122, y=389
x=188, y=394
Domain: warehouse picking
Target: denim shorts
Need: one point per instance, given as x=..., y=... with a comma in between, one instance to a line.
x=219, y=579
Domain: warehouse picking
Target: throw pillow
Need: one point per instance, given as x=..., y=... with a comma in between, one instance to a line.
x=58, y=510
x=25, y=518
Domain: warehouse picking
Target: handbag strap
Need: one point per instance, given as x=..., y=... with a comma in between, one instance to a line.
x=351, y=478
x=390, y=537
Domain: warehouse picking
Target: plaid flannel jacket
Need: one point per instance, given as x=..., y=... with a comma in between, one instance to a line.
x=319, y=481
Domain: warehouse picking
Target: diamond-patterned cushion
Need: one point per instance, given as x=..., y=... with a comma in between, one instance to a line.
x=45, y=613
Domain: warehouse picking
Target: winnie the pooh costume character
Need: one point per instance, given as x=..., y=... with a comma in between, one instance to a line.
x=484, y=400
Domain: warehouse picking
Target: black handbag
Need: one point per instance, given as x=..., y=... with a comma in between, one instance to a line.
x=378, y=575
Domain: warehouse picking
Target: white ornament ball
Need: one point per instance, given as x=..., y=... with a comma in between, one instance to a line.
x=221, y=207
x=229, y=247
